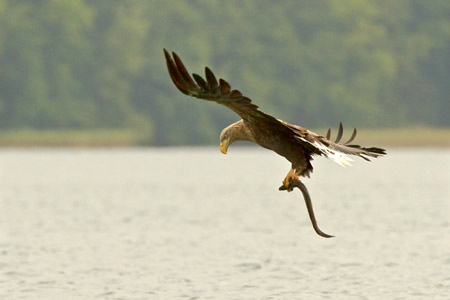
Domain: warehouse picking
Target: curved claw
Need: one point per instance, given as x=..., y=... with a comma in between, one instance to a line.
x=309, y=206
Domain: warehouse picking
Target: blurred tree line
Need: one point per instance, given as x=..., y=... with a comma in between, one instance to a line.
x=85, y=64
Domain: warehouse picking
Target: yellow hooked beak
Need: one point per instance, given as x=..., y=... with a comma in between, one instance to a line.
x=224, y=146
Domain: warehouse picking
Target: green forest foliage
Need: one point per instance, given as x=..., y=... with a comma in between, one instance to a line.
x=74, y=64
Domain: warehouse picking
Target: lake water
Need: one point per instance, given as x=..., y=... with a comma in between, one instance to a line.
x=191, y=223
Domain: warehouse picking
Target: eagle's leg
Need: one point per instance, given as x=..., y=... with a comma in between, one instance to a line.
x=291, y=177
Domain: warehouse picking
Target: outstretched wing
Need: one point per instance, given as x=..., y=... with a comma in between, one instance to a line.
x=213, y=90
x=221, y=92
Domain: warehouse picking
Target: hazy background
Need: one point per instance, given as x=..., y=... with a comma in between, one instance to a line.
x=187, y=222
x=98, y=65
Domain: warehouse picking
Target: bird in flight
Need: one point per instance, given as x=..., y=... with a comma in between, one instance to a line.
x=297, y=144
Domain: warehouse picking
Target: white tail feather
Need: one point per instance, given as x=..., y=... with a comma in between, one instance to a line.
x=338, y=157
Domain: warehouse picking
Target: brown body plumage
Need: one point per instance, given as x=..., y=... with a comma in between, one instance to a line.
x=293, y=142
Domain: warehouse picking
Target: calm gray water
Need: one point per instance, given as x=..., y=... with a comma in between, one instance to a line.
x=193, y=224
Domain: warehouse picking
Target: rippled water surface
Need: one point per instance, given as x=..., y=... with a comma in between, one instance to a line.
x=187, y=223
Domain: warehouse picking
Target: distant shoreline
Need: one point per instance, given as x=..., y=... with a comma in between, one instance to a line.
x=398, y=137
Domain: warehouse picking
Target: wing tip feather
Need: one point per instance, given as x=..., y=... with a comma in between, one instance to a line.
x=208, y=88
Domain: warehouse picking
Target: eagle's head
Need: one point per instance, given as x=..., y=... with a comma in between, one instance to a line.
x=238, y=131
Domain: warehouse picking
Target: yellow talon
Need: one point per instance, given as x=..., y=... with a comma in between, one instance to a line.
x=290, y=177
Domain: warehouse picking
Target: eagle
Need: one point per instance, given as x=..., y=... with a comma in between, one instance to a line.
x=297, y=144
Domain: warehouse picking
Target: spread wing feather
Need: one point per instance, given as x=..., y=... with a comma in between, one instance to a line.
x=212, y=90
